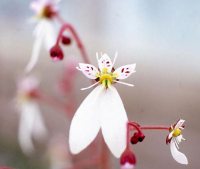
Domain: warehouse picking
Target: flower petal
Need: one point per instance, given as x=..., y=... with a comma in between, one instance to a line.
x=179, y=123
x=27, y=118
x=39, y=128
x=88, y=70
x=124, y=72
x=105, y=62
x=177, y=155
x=85, y=123
x=113, y=121
x=39, y=36
x=49, y=35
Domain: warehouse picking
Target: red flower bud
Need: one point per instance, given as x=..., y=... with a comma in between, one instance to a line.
x=138, y=136
x=66, y=40
x=127, y=160
x=56, y=53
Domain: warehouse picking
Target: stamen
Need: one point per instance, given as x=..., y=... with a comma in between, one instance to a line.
x=115, y=57
x=90, y=86
x=124, y=83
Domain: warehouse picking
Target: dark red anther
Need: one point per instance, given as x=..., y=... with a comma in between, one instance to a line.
x=127, y=160
x=66, y=40
x=56, y=53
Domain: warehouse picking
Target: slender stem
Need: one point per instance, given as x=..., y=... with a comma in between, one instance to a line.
x=80, y=45
x=128, y=137
x=136, y=126
x=154, y=128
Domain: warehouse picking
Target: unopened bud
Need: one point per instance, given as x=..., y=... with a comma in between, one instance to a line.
x=66, y=40
x=138, y=136
x=56, y=53
x=127, y=160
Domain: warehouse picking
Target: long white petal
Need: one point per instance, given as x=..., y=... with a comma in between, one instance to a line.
x=39, y=128
x=39, y=36
x=85, y=123
x=177, y=155
x=113, y=121
x=50, y=34
x=26, y=128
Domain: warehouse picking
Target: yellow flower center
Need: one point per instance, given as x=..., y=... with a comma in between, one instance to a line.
x=106, y=78
x=46, y=12
x=176, y=132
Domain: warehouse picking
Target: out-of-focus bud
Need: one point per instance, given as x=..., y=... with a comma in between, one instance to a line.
x=127, y=160
x=5, y=168
x=66, y=40
x=56, y=53
x=138, y=136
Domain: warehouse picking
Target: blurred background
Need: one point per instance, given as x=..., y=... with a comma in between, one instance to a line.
x=162, y=37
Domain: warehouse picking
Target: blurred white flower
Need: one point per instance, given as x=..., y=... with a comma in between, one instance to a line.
x=174, y=139
x=44, y=32
x=31, y=123
x=102, y=108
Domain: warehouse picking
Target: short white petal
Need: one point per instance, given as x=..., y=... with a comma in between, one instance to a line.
x=85, y=123
x=88, y=70
x=179, y=123
x=124, y=72
x=170, y=135
x=105, y=62
x=113, y=121
x=177, y=155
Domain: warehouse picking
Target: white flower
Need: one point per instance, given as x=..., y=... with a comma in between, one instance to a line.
x=174, y=139
x=31, y=122
x=102, y=108
x=44, y=32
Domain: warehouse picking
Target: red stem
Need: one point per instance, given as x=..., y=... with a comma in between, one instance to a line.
x=154, y=128
x=128, y=136
x=80, y=45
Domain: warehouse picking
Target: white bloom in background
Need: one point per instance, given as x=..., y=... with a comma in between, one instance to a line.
x=44, y=32
x=102, y=108
x=174, y=139
x=31, y=125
